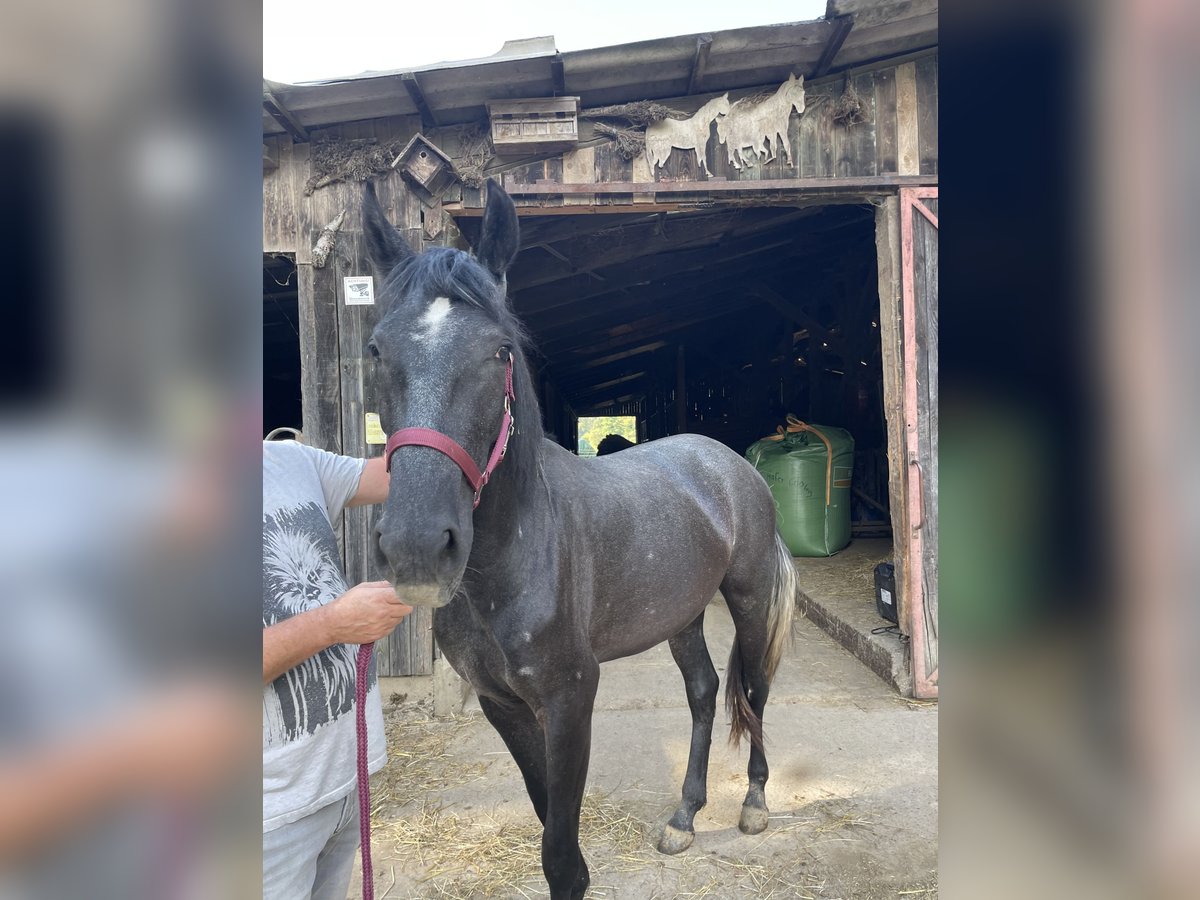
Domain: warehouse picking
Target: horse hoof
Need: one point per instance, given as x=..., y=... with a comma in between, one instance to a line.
x=754, y=820
x=675, y=841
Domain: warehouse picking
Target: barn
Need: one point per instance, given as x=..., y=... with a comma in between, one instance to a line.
x=668, y=276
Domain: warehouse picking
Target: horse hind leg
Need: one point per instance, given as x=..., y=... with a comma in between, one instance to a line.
x=701, y=682
x=762, y=603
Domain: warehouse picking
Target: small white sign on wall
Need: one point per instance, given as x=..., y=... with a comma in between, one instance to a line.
x=360, y=290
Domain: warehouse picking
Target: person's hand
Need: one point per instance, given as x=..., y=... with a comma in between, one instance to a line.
x=365, y=613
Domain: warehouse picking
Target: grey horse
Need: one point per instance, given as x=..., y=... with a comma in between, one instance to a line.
x=556, y=564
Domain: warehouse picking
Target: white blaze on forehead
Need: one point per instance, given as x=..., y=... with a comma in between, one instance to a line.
x=435, y=315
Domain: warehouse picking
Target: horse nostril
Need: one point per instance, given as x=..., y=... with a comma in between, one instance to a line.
x=449, y=543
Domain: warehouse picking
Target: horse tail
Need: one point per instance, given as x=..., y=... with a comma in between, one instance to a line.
x=783, y=607
x=780, y=612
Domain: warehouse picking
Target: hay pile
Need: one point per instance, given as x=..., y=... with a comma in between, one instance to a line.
x=625, y=123
x=640, y=112
x=849, y=109
x=474, y=153
x=356, y=160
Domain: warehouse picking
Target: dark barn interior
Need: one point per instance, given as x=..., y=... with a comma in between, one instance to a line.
x=749, y=313
x=281, y=345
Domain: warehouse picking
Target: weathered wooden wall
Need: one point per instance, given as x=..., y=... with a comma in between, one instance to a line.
x=338, y=389
x=897, y=138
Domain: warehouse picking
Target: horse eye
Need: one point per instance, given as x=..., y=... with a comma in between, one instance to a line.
x=504, y=352
x=373, y=349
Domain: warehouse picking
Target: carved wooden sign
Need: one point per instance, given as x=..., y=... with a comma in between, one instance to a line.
x=754, y=126
x=747, y=129
x=686, y=134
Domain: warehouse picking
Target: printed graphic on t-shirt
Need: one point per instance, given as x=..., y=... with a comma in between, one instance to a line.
x=300, y=572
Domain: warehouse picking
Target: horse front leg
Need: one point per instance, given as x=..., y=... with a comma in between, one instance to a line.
x=566, y=718
x=519, y=729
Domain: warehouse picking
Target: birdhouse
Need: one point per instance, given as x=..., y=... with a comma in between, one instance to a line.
x=537, y=125
x=428, y=171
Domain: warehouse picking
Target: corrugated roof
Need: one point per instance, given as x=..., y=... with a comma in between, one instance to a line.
x=456, y=92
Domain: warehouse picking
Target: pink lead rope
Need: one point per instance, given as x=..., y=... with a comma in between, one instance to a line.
x=422, y=437
x=364, y=783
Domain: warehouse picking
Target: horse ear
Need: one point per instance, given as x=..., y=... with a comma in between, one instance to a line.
x=500, y=238
x=386, y=247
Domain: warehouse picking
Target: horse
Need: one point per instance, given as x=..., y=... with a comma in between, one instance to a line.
x=612, y=443
x=754, y=126
x=686, y=134
x=543, y=565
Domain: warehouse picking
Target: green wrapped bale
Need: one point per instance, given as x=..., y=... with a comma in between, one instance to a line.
x=808, y=469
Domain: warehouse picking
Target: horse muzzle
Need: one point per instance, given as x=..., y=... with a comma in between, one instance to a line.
x=422, y=565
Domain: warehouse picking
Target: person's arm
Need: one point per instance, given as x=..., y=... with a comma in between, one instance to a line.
x=365, y=613
x=372, y=484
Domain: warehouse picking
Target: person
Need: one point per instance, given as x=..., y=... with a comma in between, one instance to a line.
x=312, y=624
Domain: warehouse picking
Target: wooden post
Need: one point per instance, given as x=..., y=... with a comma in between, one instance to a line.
x=887, y=247
x=680, y=390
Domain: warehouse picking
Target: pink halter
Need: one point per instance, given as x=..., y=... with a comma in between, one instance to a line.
x=427, y=437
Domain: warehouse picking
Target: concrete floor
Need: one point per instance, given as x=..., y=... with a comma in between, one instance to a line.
x=853, y=789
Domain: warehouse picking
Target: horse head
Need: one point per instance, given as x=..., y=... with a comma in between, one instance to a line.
x=444, y=347
x=716, y=107
x=793, y=91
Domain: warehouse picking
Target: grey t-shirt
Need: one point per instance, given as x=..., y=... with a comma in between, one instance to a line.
x=309, y=737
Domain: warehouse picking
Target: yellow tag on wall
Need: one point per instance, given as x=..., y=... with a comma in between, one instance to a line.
x=375, y=433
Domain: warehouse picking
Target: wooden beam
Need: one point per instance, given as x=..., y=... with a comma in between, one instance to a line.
x=699, y=63
x=624, y=354
x=409, y=80
x=642, y=269
x=281, y=114
x=841, y=28
x=556, y=70
x=791, y=310
x=866, y=183
x=646, y=329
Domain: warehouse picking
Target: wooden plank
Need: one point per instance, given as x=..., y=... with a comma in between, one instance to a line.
x=887, y=248
x=554, y=174
x=808, y=148
x=579, y=168
x=927, y=114
x=864, y=132
x=822, y=112
x=925, y=285
x=611, y=166
x=301, y=171
x=319, y=357
x=641, y=171
x=842, y=145
x=907, y=134
x=885, y=122
x=881, y=183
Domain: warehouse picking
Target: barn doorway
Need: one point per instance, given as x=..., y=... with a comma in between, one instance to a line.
x=282, y=406
x=721, y=320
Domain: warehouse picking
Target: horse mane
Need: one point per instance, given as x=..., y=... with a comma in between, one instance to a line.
x=446, y=272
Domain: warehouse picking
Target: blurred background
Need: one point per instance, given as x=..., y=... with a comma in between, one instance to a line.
x=129, y=459
x=130, y=166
